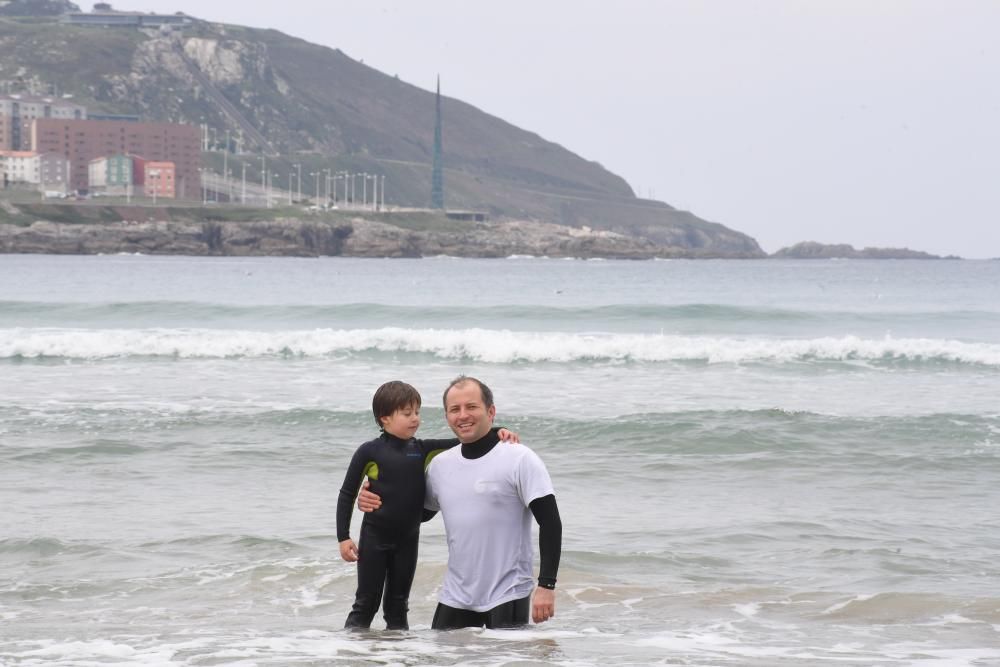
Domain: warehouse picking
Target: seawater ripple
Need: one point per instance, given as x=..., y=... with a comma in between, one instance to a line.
x=658, y=442
x=483, y=345
x=388, y=313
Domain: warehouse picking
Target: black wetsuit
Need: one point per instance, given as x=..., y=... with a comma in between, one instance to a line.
x=516, y=612
x=387, y=548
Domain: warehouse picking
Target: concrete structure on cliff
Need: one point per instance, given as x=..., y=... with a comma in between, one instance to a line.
x=104, y=16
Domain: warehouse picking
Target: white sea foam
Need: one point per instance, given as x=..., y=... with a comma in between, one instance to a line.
x=483, y=345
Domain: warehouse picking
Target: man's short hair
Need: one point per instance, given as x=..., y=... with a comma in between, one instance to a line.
x=392, y=396
x=486, y=392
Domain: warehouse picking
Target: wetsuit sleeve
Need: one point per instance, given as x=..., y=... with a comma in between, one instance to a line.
x=349, y=490
x=546, y=513
x=434, y=445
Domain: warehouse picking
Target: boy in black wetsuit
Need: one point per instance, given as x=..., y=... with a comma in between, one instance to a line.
x=394, y=464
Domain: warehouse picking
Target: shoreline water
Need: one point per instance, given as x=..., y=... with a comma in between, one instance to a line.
x=781, y=464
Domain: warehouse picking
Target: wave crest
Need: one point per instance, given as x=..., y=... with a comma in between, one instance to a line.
x=482, y=345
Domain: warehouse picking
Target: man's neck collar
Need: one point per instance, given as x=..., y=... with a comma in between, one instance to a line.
x=481, y=447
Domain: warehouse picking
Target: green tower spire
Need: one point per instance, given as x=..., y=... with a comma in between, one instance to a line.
x=437, y=177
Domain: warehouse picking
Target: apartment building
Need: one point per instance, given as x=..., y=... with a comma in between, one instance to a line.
x=113, y=174
x=160, y=179
x=84, y=140
x=17, y=112
x=49, y=171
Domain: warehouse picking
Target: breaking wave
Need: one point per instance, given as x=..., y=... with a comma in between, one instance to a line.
x=484, y=345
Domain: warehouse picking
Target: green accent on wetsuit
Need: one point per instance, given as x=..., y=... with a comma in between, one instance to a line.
x=395, y=468
x=430, y=457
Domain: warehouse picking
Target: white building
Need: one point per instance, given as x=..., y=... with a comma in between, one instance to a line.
x=49, y=172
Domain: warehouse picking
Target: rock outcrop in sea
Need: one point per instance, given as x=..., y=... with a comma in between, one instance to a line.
x=352, y=237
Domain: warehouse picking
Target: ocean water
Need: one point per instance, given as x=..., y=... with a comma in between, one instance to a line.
x=764, y=463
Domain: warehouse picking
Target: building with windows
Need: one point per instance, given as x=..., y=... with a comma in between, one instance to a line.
x=106, y=17
x=112, y=175
x=49, y=171
x=17, y=112
x=84, y=140
x=159, y=179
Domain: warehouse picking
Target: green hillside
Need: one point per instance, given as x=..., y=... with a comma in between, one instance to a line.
x=299, y=102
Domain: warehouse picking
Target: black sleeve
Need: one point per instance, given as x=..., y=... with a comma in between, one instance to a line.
x=427, y=515
x=429, y=445
x=546, y=513
x=349, y=490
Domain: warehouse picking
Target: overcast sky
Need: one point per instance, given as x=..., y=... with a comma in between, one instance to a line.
x=870, y=122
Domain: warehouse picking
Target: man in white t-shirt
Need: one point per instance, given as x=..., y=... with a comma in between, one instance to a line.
x=488, y=496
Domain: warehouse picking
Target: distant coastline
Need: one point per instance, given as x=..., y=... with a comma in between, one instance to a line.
x=813, y=250
x=228, y=231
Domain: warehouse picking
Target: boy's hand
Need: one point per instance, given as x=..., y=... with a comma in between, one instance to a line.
x=506, y=435
x=368, y=501
x=348, y=550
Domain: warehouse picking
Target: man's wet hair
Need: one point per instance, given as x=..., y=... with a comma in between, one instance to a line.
x=393, y=396
x=486, y=392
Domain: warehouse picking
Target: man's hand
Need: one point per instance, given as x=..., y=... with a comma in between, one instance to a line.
x=368, y=501
x=348, y=550
x=543, y=604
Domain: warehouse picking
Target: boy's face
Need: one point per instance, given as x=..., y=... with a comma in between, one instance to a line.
x=403, y=423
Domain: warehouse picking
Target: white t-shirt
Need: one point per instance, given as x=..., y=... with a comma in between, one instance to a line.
x=484, y=503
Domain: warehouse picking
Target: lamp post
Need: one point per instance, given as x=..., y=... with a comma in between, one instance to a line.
x=154, y=175
x=225, y=156
x=243, y=193
x=382, y=191
x=263, y=179
x=298, y=172
x=316, y=191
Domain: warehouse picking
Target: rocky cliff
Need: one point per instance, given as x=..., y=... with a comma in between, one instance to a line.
x=36, y=7
x=295, y=102
x=353, y=237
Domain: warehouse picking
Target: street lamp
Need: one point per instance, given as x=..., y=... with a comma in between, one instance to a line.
x=263, y=179
x=154, y=175
x=298, y=169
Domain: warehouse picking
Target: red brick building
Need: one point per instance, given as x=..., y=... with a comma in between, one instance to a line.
x=159, y=179
x=84, y=140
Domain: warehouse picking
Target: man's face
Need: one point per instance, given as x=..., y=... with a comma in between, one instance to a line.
x=467, y=416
